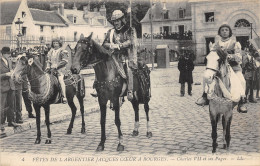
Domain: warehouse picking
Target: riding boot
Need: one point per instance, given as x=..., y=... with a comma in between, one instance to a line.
x=94, y=93
x=63, y=88
x=203, y=100
x=240, y=107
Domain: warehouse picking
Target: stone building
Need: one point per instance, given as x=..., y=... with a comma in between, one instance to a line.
x=203, y=18
x=40, y=26
x=208, y=15
x=170, y=17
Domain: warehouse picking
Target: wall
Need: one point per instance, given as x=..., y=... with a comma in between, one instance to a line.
x=228, y=12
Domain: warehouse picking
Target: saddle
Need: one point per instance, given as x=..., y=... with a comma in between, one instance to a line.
x=70, y=79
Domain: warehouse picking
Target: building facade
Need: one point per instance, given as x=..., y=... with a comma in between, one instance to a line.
x=40, y=26
x=167, y=18
x=203, y=18
x=207, y=16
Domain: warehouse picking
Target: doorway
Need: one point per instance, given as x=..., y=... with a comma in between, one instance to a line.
x=181, y=29
x=242, y=40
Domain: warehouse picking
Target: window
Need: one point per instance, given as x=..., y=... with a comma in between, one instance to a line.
x=23, y=14
x=101, y=21
x=87, y=20
x=242, y=23
x=75, y=20
x=24, y=31
x=209, y=17
x=52, y=28
x=181, y=13
x=166, y=15
x=8, y=30
x=41, y=28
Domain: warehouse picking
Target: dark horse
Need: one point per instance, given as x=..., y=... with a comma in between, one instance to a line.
x=45, y=90
x=109, y=85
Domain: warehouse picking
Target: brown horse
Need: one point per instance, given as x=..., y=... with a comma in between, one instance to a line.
x=220, y=103
x=45, y=90
x=109, y=85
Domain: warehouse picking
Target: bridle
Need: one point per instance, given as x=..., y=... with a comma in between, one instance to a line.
x=86, y=51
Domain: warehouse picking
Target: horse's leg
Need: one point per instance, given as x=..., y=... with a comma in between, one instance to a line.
x=224, y=125
x=103, y=112
x=73, y=111
x=120, y=147
x=81, y=103
x=136, y=109
x=228, y=136
x=146, y=108
x=213, y=119
x=47, y=121
x=37, y=109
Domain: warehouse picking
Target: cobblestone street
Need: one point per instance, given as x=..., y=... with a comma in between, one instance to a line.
x=178, y=125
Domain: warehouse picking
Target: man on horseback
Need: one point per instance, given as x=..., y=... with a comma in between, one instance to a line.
x=121, y=41
x=57, y=61
x=233, y=50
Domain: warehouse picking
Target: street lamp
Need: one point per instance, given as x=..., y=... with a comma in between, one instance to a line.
x=18, y=25
x=151, y=22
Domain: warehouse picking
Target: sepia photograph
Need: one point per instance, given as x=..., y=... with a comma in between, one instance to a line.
x=130, y=82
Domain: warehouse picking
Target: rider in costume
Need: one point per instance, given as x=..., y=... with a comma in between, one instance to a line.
x=57, y=60
x=121, y=41
x=233, y=49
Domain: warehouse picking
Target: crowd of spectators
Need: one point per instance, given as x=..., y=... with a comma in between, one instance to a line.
x=187, y=35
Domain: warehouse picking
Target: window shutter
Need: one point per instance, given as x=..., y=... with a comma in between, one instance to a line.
x=160, y=29
x=170, y=29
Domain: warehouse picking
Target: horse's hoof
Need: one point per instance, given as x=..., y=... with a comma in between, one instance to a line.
x=224, y=146
x=149, y=134
x=48, y=141
x=83, y=130
x=69, y=131
x=120, y=148
x=37, y=141
x=214, y=151
x=100, y=148
x=135, y=133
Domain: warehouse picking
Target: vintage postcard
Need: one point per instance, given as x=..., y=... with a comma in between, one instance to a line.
x=130, y=82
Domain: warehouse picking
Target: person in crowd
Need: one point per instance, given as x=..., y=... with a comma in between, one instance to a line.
x=249, y=68
x=186, y=67
x=57, y=59
x=233, y=49
x=7, y=89
x=17, y=91
x=27, y=101
x=257, y=76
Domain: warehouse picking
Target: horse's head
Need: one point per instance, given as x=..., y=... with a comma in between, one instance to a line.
x=215, y=59
x=24, y=63
x=83, y=52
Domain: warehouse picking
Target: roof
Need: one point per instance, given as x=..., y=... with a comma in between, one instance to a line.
x=43, y=17
x=8, y=11
x=173, y=9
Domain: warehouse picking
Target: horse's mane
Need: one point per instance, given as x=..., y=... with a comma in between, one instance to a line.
x=100, y=49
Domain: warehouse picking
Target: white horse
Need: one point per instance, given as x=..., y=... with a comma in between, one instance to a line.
x=222, y=94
